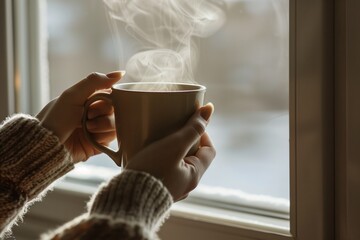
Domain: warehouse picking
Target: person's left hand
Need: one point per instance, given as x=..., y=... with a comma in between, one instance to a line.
x=63, y=115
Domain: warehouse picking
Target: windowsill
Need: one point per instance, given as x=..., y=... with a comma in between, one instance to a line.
x=205, y=214
x=230, y=218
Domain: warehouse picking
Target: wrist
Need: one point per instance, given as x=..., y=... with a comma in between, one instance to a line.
x=31, y=156
x=133, y=196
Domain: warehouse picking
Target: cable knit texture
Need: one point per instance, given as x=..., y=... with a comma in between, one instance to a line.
x=31, y=158
x=132, y=205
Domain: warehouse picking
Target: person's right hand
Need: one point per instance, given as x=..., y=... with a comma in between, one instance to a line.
x=166, y=159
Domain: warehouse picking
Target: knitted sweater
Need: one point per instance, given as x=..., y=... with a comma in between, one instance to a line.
x=132, y=205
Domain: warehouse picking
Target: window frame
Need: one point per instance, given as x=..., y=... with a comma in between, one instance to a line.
x=312, y=120
x=347, y=119
x=7, y=99
x=312, y=185
x=312, y=181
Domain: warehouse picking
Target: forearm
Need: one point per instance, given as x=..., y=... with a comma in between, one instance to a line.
x=132, y=205
x=31, y=158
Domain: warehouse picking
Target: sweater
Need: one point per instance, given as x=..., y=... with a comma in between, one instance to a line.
x=131, y=205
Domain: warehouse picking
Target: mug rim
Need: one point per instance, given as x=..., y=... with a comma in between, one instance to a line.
x=197, y=87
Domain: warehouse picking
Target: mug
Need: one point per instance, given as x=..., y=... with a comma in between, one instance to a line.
x=144, y=113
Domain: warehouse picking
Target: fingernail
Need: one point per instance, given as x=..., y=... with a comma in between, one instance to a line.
x=116, y=74
x=206, y=111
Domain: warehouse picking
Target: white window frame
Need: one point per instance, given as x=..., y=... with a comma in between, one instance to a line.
x=324, y=119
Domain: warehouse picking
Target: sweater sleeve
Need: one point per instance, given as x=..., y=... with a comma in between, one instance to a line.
x=132, y=205
x=31, y=158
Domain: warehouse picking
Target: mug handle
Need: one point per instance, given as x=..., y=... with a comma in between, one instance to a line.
x=115, y=156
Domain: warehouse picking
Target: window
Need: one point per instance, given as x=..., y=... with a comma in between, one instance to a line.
x=311, y=104
x=245, y=67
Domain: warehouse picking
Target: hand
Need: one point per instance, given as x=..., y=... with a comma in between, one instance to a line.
x=63, y=115
x=166, y=159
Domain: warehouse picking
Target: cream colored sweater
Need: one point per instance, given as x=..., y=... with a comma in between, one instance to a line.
x=132, y=205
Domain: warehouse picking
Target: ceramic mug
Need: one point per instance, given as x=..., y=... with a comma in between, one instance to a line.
x=144, y=113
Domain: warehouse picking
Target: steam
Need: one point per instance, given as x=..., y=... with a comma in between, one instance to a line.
x=166, y=31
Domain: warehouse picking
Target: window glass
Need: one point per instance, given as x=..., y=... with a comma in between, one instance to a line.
x=245, y=67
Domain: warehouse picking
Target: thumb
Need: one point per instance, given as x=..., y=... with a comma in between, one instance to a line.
x=92, y=83
x=195, y=126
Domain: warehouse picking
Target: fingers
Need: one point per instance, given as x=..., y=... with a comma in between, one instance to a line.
x=100, y=118
x=196, y=126
x=101, y=124
x=100, y=108
x=92, y=83
x=207, y=149
x=202, y=159
x=104, y=138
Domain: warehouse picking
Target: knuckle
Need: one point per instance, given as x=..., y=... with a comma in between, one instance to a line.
x=198, y=127
x=93, y=76
x=67, y=94
x=193, y=129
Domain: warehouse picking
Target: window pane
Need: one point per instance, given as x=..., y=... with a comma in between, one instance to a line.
x=245, y=67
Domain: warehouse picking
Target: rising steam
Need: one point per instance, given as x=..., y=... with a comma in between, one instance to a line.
x=166, y=31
